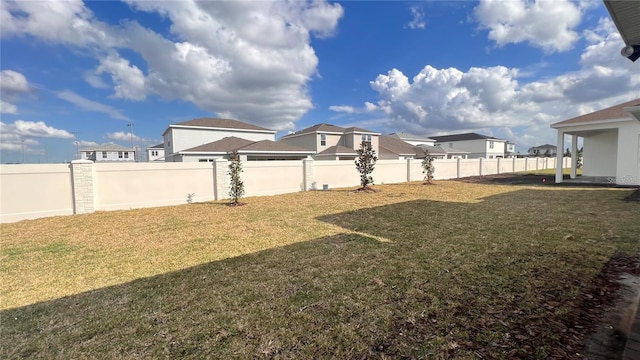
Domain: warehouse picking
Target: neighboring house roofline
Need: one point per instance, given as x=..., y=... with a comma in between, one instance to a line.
x=219, y=124
x=619, y=112
x=158, y=146
x=561, y=125
x=406, y=136
x=464, y=137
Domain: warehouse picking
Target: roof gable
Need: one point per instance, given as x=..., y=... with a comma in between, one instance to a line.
x=610, y=113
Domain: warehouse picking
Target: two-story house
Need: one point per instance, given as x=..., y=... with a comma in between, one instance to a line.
x=108, y=152
x=330, y=142
x=206, y=139
x=546, y=150
x=155, y=153
x=478, y=146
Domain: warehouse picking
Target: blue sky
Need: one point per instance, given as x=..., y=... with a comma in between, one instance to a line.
x=83, y=71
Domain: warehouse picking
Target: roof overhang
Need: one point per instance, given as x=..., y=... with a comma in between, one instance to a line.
x=560, y=125
x=626, y=16
x=633, y=111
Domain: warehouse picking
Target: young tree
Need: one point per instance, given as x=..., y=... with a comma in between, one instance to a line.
x=236, y=186
x=579, y=159
x=567, y=153
x=428, y=168
x=365, y=163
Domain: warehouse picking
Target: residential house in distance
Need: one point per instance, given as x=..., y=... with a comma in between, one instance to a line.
x=392, y=148
x=108, y=152
x=155, y=153
x=247, y=150
x=509, y=149
x=414, y=140
x=330, y=142
x=477, y=145
x=546, y=150
x=611, y=144
x=193, y=133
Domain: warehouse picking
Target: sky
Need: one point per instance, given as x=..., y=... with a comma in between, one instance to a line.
x=75, y=74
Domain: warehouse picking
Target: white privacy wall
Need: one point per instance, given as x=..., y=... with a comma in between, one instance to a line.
x=34, y=191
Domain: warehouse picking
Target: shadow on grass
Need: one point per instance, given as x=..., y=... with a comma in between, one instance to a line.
x=453, y=280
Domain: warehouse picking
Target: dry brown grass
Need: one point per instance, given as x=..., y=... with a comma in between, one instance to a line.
x=410, y=270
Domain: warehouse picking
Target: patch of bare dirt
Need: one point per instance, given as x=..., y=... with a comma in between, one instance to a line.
x=635, y=196
x=366, y=189
x=511, y=179
x=236, y=204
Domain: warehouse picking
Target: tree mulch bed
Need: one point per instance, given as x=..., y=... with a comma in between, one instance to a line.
x=366, y=189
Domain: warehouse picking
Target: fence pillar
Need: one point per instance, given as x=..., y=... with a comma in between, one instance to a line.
x=308, y=174
x=499, y=165
x=526, y=164
x=480, y=170
x=83, y=189
x=221, y=179
x=458, y=169
x=513, y=164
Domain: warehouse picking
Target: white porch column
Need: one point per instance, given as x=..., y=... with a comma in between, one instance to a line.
x=560, y=146
x=574, y=155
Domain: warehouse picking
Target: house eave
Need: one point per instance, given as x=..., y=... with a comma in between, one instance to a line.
x=560, y=125
x=188, y=127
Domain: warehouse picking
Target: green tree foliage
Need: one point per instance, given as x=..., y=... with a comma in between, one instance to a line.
x=428, y=169
x=236, y=186
x=579, y=159
x=567, y=153
x=365, y=163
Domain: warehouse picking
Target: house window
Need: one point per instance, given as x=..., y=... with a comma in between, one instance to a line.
x=119, y=154
x=126, y=154
x=104, y=154
x=366, y=138
x=323, y=140
x=154, y=153
x=490, y=144
x=88, y=153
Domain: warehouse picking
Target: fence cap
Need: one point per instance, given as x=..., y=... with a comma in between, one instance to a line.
x=82, y=161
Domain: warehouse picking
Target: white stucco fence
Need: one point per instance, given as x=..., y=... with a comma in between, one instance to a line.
x=35, y=191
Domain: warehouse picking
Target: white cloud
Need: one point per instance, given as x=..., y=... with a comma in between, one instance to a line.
x=249, y=60
x=128, y=79
x=21, y=133
x=417, y=21
x=342, y=108
x=90, y=105
x=493, y=99
x=125, y=136
x=12, y=85
x=86, y=143
x=95, y=80
x=549, y=25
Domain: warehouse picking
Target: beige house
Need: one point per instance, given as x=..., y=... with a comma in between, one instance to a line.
x=108, y=152
x=611, y=144
x=189, y=134
x=330, y=142
x=247, y=149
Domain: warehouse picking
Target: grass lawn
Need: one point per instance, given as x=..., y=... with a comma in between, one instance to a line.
x=454, y=270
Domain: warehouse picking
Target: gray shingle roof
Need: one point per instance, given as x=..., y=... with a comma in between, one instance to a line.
x=462, y=137
x=157, y=146
x=610, y=113
x=338, y=150
x=395, y=145
x=406, y=136
x=233, y=143
x=221, y=146
x=319, y=128
x=107, y=147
